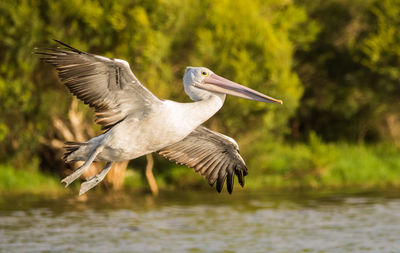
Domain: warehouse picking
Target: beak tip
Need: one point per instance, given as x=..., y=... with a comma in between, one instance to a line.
x=280, y=102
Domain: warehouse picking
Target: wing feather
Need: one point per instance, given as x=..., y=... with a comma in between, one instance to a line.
x=214, y=155
x=107, y=85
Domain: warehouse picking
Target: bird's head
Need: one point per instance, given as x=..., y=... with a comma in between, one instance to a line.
x=199, y=82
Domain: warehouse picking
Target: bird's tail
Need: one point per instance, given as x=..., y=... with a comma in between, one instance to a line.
x=70, y=148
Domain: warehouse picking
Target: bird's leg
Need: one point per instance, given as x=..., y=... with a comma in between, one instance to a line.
x=94, y=180
x=77, y=173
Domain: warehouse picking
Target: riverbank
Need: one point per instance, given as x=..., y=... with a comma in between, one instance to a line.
x=312, y=166
x=13, y=181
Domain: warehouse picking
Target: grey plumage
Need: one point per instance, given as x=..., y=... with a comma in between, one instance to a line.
x=106, y=84
x=71, y=147
x=214, y=155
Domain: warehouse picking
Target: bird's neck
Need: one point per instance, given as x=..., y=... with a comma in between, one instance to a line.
x=200, y=111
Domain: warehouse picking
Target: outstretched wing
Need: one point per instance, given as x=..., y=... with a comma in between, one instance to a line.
x=215, y=156
x=106, y=84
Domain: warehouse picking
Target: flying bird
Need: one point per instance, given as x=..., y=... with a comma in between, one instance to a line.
x=137, y=123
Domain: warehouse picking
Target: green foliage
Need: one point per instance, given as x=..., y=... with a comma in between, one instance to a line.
x=382, y=45
x=249, y=42
x=334, y=63
x=380, y=54
x=351, y=74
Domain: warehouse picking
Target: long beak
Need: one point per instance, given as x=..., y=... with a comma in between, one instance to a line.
x=219, y=84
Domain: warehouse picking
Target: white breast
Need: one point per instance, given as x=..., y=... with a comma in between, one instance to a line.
x=165, y=125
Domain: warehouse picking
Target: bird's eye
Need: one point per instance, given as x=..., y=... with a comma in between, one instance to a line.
x=204, y=73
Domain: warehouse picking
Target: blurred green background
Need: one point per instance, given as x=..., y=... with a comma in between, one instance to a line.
x=334, y=63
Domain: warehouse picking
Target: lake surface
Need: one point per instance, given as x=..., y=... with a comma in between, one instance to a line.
x=201, y=222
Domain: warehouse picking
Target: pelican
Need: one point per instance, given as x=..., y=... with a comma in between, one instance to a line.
x=137, y=123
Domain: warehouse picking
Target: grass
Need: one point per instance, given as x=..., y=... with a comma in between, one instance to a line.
x=366, y=166
x=27, y=181
x=318, y=165
x=279, y=166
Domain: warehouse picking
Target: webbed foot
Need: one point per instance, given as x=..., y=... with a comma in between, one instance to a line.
x=94, y=180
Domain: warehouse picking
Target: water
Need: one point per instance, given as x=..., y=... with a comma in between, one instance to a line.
x=197, y=222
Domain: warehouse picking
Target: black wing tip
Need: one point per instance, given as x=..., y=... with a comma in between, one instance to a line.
x=68, y=46
x=229, y=177
x=241, y=172
x=221, y=180
x=230, y=180
x=53, y=52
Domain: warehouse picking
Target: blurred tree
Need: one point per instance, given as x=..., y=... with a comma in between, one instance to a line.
x=334, y=63
x=380, y=53
x=334, y=102
x=351, y=74
x=20, y=30
x=250, y=42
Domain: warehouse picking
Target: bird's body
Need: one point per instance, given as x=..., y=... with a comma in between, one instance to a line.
x=170, y=122
x=138, y=123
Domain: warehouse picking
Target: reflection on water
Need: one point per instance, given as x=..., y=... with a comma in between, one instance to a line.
x=195, y=222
